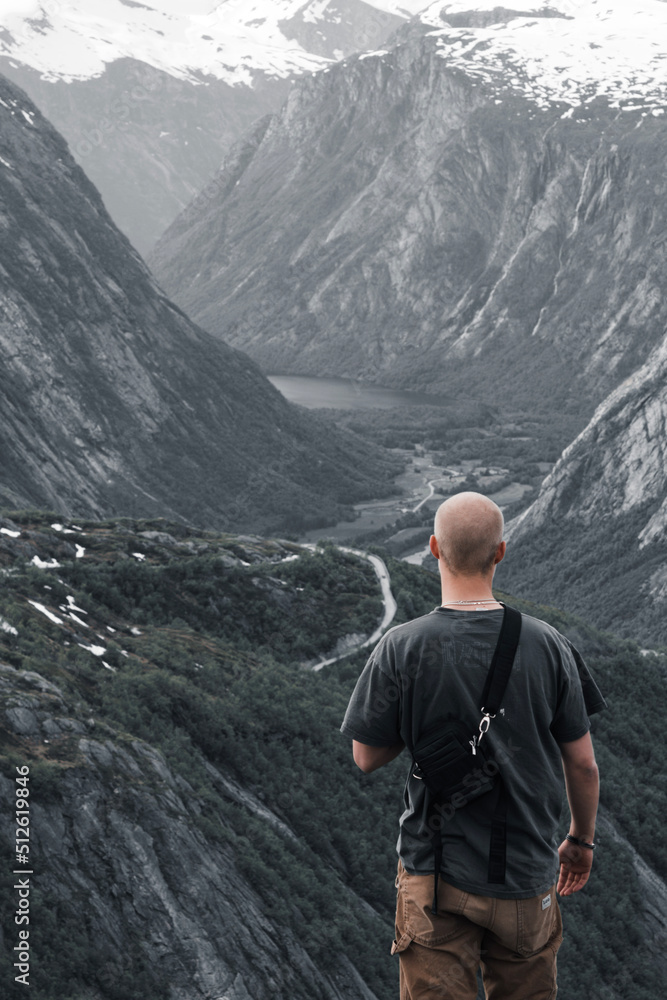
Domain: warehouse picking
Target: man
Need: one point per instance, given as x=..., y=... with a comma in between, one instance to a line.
x=432, y=669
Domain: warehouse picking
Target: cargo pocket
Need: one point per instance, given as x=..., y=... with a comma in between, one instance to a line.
x=537, y=921
x=414, y=919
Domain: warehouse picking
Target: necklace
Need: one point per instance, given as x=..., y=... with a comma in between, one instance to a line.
x=485, y=600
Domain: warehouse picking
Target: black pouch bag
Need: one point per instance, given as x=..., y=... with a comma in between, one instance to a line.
x=449, y=768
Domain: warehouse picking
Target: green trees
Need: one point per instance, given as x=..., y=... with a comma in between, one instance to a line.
x=214, y=681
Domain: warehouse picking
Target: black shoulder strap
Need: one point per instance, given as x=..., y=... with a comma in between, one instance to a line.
x=494, y=691
x=503, y=659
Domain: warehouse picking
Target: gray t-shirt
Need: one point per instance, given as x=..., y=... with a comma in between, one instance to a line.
x=434, y=668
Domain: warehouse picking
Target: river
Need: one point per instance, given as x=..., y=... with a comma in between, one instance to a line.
x=347, y=394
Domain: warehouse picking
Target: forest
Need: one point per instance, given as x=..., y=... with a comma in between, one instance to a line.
x=208, y=662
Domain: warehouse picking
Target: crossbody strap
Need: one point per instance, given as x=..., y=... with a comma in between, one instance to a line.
x=494, y=692
x=492, y=696
x=502, y=662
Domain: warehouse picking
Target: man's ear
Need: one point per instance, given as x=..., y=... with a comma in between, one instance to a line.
x=500, y=553
x=433, y=545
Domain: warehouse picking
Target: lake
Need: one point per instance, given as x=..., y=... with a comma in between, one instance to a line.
x=346, y=394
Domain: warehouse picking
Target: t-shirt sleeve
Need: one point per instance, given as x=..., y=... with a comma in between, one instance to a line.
x=593, y=697
x=373, y=714
x=570, y=721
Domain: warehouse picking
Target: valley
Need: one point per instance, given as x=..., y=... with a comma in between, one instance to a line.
x=415, y=486
x=439, y=462
x=444, y=238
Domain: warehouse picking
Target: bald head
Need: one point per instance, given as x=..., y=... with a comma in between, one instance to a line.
x=468, y=529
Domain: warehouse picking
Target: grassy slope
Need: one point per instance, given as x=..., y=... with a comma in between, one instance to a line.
x=215, y=674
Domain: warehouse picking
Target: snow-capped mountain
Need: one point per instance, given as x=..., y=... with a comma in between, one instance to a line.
x=230, y=41
x=150, y=95
x=565, y=51
x=425, y=216
x=561, y=50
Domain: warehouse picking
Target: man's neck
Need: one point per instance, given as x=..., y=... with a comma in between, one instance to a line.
x=468, y=593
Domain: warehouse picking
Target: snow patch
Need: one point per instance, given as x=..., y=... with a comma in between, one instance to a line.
x=45, y=611
x=72, y=606
x=372, y=55
x=6, y=627
x=95, y=650
x=79, y=621
x=65, y=531
x=40, y=564
x=12, y=534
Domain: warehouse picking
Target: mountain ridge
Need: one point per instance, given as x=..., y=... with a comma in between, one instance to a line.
x=230, y=41
x=412, y=228
x=112, y=400
x=150, y=96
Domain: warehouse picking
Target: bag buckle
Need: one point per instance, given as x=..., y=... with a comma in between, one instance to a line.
x=484, y=725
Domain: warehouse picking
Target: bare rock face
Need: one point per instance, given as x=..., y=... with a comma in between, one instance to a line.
x=119, y=852
x=595, y=539
x=403, y=221
x=112, y=400
x=617, y=464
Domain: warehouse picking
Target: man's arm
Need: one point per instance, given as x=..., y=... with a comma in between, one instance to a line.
x=582, y=784
x=370, y=758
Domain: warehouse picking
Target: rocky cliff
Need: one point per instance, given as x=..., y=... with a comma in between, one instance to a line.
x=446, y=213
x=595, y=538
x=112, y=400
x=152, y=903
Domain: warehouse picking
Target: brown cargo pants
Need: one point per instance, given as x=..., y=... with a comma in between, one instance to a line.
x=515, y=942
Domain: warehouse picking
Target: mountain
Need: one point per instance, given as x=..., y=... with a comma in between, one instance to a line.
x=197, y=826
x=209, y=929
x=479, y=207
x=151, y=95
x=595, y=540
x=112, y=401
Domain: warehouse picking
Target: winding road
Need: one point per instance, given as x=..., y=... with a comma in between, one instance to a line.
x=388, y=600
x=431, y=485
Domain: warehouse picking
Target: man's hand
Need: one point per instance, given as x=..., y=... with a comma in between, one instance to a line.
x=582, y=783
x=575, y=867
